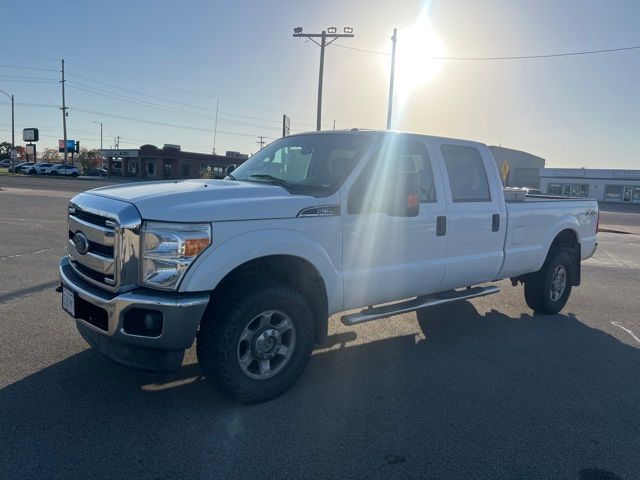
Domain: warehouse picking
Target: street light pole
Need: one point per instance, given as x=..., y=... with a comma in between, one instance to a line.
x=348, y=33
x=393, y=68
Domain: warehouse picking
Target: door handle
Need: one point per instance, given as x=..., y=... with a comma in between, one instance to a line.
x=441, y=226
x=495, y=222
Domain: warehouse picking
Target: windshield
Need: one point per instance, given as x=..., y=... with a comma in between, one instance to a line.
x=305, y=163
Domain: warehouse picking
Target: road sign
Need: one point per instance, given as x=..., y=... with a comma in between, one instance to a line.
x=14, y=154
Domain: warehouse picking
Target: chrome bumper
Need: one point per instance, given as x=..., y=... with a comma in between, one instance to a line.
x=181, y=315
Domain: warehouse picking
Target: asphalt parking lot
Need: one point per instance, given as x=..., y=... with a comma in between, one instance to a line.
x=487, y=391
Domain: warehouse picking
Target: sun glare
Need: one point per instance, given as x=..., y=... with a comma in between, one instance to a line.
x=417, y=50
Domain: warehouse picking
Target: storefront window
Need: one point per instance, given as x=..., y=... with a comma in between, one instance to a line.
x=612, y=193
x=580, y=190
x=636, y=195
x=554, y=189
x=151, y=168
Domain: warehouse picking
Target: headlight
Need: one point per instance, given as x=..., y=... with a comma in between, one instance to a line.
x=168, y=249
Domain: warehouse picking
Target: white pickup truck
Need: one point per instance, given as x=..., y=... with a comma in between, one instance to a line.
x=312, y=225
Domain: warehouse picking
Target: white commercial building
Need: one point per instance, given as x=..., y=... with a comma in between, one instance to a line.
x=604, y=185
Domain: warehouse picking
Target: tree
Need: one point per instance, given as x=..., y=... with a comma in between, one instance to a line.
x=5, y=147
x=50, y=155
x=22, y=153
x=89, y=158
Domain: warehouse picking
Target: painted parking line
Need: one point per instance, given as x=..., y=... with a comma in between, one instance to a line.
x=633, y=335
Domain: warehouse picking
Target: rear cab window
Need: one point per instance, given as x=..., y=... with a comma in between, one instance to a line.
x=466, y=173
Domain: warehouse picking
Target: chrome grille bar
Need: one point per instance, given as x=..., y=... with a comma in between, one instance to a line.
x=107, y=256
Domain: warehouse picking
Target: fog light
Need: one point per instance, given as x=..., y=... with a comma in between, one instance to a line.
x=142, y=322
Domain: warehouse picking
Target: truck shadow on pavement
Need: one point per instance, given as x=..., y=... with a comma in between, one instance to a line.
x=476, y=396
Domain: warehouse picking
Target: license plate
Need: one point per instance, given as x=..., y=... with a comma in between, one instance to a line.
x=68, y=301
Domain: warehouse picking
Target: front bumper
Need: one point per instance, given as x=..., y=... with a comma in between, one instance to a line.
x=100, y=321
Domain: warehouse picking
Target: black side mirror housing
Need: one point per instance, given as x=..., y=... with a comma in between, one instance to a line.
x=404, y=195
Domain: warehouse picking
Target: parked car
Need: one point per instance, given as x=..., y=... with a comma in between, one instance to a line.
x=312, y=225
x=95, y=172
x=20, y=168
x=5, y=163
x=60, y=169
x=37, y=169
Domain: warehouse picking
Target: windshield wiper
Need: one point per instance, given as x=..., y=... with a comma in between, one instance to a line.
x=270, y=178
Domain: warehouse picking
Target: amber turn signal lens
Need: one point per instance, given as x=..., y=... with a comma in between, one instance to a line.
x=412, y=200
x=194, y=246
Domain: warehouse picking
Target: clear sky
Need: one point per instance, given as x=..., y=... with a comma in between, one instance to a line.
x=573, y=111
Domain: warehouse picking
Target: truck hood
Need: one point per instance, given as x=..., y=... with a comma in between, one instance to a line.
x=208, y=200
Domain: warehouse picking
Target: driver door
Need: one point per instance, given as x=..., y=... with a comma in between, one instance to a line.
x=387, y=258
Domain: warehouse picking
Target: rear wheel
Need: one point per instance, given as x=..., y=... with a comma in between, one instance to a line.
x=548, y=290
x=74, y=174
x=255, y=344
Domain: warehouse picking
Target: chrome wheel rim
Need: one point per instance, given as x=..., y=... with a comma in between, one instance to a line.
x=558, y=283
x=266, y=344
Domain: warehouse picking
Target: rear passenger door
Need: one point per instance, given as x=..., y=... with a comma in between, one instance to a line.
x=476, y=216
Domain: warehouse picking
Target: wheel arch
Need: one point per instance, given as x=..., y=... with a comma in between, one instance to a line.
x=287, y=269
x=568, y=239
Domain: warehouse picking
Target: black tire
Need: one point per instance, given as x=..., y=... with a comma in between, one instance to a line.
x=53, y=173
x=539, y=287
x=219, y=341
x=74, y=174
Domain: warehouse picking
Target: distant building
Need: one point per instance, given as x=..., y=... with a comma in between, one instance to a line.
x=524, y=168
x=604, y=185
x=169, y=162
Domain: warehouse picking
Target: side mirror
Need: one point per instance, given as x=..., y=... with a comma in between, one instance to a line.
x=229, y=169
x=403, y=196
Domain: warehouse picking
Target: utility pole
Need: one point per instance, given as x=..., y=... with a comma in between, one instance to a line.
x=393, y=67
x=333, y=35
x=215, y=128
x=334, y=124
x=262, y=140
x=116, y=142
x=13, y=131
x=99, y=123
x=64, y=117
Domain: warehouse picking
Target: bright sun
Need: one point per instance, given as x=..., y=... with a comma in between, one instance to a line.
x=417, y=49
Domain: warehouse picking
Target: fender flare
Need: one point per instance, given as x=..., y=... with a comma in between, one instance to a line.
x=216, y=263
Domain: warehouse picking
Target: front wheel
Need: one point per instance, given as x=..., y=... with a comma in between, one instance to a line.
x=548, y=290
x=255, y=344
x=74, y=174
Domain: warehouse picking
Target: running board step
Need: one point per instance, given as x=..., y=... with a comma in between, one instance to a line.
x=375, y=313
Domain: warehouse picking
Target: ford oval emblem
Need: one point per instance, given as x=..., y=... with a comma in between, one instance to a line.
x=81, y=243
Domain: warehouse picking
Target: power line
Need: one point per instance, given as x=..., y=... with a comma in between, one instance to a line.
x=123, y=98
x=20, y=67
x=513, y=57
x=164, y=99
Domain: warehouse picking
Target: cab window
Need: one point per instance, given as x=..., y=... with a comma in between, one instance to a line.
x=466, y=173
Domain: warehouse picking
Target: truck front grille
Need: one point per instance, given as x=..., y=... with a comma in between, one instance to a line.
x=104, y=241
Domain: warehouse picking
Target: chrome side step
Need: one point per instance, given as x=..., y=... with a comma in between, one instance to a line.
x=375, y=313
